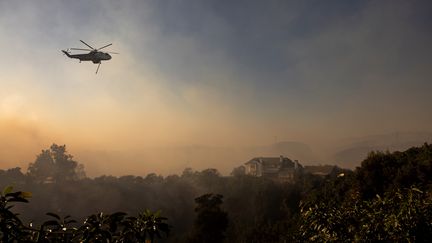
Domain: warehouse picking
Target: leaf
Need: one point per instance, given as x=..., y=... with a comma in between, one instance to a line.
x=51, y=223
x=53, y=215
x=416, y=190
x=26, y=194
x=7, y=190
x=13, y=194
x=118, y=214
x=71, y=221
x=18, y=199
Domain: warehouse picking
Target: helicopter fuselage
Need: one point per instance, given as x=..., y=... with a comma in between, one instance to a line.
x=94, y=56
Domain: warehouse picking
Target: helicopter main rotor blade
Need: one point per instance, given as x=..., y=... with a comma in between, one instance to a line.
x=79, y=49
x=87, y=44
x=104, y=47
x=113, y=52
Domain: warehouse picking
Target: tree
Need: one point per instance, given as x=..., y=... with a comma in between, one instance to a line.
x=102, y=227
x=43, y=168
x=399, y=216
x=55, y=164
x=209, y=178
x=381, y=172
x=146, y=224
x=239, y=171
x=97, y=228
x=12, y=175
x=153, y=178
x=211, y=222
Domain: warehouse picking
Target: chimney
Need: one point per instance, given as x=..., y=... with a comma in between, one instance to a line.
x=281, y=158
x=296, y=164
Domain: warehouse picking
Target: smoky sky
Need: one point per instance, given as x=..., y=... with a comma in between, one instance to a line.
x=214, y=73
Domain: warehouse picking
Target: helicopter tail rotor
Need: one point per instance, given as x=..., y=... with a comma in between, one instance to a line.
x=66, y=52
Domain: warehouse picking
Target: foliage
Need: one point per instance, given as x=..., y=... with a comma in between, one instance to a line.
x=211, y=221
x=55, y=230
x=11, y=227
x=238, y=171
x=386, y=199
x=146, y=224
x=398, y=216
x=259, y=209
x=99, y=227
x=55, y=165
x=384, y=171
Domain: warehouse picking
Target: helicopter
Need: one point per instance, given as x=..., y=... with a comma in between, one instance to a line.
x=95, y=55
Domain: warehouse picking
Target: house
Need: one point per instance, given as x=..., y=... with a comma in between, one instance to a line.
x=280, y=168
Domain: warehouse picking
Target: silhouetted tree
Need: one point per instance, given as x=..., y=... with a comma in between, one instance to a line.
x=387, y=199
x=210, y=178
x=12, y=176
x=55, y=164
x=381, y=172
x=188, y=173
x=146, y=224
x=400, y=216
x=211, y=221
x=153, y=178
x=239, y=171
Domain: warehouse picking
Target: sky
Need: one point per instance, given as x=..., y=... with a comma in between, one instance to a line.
x=223, y=74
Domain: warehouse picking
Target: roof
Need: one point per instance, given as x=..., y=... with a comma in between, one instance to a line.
x=272, y=162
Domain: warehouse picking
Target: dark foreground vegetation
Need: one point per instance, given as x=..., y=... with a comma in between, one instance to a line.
x=388, y=198
x=116, y=227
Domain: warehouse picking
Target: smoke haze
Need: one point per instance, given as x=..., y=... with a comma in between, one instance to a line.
x=210, y=83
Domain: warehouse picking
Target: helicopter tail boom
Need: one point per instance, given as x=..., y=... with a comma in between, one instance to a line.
x=66, y=53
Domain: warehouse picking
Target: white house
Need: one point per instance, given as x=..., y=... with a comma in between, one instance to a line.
x=273, y=167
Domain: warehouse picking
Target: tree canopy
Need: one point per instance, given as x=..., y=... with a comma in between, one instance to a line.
x=55, y=165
